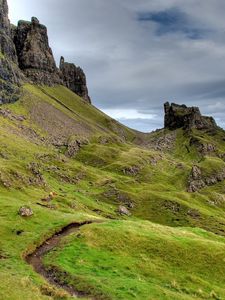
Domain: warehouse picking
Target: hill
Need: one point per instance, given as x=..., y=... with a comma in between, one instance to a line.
x=90, y=208
x=54, y=143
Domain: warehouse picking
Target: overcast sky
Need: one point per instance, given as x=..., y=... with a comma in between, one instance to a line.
x=137, y=54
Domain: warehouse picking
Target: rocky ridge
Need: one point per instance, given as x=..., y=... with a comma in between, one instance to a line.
x=181, y=116
x=25, y=55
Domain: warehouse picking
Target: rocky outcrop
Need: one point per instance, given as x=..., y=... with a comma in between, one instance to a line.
x=9, y=73
x=203, y=148
x=74, y=78
x=35, y=56
x=25, y=55
x=198, y=181
x=181, y=116
x=74, y=146
x=7, y=47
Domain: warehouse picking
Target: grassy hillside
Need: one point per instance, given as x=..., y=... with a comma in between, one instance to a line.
x=53, y=141
x=142, y=260
x=57, y=110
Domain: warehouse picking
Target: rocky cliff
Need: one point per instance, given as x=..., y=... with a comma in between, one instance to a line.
x=9, y=73
x=7, y=46
x=181, y=116
x=35, y=57
x=74, y=78
x=25, y=55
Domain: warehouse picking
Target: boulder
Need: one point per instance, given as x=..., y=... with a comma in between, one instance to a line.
x=196, y=173
x=25, y=211
x=123, y=211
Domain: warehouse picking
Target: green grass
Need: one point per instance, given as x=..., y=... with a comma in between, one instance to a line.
x=141, y=260
x=134, y=255
x=73, y=106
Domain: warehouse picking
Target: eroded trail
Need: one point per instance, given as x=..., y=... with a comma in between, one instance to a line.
x=36, y=258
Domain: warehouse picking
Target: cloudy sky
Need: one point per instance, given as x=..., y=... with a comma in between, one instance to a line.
x=137, y=54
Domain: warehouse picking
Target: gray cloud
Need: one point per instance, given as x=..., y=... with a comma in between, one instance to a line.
x=131, y=64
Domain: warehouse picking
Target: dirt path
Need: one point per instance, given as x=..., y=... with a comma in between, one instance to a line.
x=36, y=258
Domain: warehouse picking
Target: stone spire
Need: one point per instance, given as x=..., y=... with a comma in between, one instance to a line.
x=34, y=53
x=4, y=20
x=74, y=78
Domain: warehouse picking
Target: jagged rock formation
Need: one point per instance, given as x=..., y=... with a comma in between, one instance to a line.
x=74, y=78
x=6, y=43
x=9, y=72
x=25, y=55
x=181, y=116
x=35, y=57
x=197, y=181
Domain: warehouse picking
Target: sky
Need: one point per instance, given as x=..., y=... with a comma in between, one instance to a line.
x=138, y=54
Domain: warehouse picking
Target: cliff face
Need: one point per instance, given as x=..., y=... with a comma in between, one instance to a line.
x=181, y=116
x=7, y=46
x=9, y=73
x=25, y=55
x=74, y=78
x=35, y=57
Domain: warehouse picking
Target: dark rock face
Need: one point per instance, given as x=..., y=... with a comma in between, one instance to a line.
x=181, y=116
x=25, y=55
x=74, y=78
x=6, y=43
x=34, y=54
x=9, y=73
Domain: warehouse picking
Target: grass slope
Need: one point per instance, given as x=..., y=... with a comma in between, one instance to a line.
x=141, y=260
x=115, y=166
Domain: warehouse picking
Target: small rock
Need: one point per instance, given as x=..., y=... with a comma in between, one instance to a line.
x=130, y=205
x=180, y=166
x=25, y=212
x=196, y=172
x=123, y=211
x=133, y=171
x=194, y=213
x=50, y=197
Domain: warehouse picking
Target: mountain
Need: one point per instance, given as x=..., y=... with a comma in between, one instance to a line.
x=91, y=208
x=27, y=57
